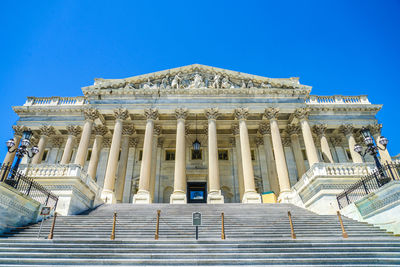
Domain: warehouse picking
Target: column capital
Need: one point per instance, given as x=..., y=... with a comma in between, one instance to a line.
x=205, y=129
x=235, y=129
x=133, y=142
x=91, y=114
x=121, y=114
x=336, y=140
x=151, y=113
x=157, y=130
x=100, y=130
x=301, y=113
x=293, y=129
x=286, y=140
x=241, y=113
x=57, y=141
x=46, y=130
x=74, y=130
x=128, y=129
x=346, y=129
x=320, y=129
x=259, y=141
x=264, y=128
x=271, y=113
x=181, y=113
x=211, y=113
x=160, y=142
x=18, y=130
x=375, y=128
x=107, y=142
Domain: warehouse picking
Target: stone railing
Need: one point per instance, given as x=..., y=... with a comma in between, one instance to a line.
x=56, y=101
x=337, y=100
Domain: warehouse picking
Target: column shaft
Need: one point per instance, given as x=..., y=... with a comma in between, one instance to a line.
x=248, y=172
x=145, y=168
x=298, y=155
x=311, y=151
x=153, y=166
x=94, y=160
x=37, y=159
x=239, y=166
x=84, y=143
x=325, y=148
x=271, y=168
x=354, y=155
x=213, y=169
x=122, y=168
x=66, y=157
x=180, y=158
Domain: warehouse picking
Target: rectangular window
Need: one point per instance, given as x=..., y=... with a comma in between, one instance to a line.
x=45, y=153
x=140, y=155
x=169, y=154
x=89, y=155
x=253, y=154
x=223, y=154
x=197, y=155
x=348, y=153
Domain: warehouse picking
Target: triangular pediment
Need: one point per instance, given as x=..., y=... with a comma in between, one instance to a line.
x=197, y=76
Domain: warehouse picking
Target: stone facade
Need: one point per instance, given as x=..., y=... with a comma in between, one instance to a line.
x=133, y=137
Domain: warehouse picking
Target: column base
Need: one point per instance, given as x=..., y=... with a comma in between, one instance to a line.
x=108, y=197
x=142, y=197
x=251, y=197
x=178, y=198
x=285, y=197
x=215, y=198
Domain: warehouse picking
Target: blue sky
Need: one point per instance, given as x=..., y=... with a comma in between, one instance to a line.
x=53, y=48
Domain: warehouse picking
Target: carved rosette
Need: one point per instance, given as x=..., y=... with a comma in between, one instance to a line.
x=100, y=130
x=91, y=114
x=336, y=140
x=375, y=128
x=157, y=130
x=47, y=130
x=320, y=129
x=293, y=129
x=259, y=141
x=235, y=129
x=211, y=113
x=160, y=142
x=57, y=141
x=181, y=113
x=151, y=113
x=18, y=130
x=121, y=114
x=133, y=142
x=74, y=130
x=264, y=128
x=271, y=113
x=241, y=113
x=301, y=113
x=128, y=129
x=346, y=129
x=107, y=142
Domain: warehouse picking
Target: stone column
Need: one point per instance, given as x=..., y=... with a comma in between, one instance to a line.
x=56, y=143
x=347, y=130
x=236, y=134
x=320, y=130
x=214, y=195
x=265, y=131
x=337, y=142
x=157, y=193
x=250, y=195
x=108, y=193
x=90, y=115
x=302, y=114
x=99, y=131
x=127, y=131
x=143, y=194
x=179, y=194
x=10, y=156
x=376, y=133
x=156, y=133
x=293, y=131
x=45, y=133
x=283, y=175
x=73, y=132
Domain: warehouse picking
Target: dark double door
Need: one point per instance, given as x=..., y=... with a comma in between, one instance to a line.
x=197, y=192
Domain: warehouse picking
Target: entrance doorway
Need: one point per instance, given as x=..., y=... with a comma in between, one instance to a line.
x=197, y=192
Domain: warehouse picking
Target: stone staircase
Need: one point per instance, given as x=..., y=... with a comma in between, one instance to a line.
x=255, y=235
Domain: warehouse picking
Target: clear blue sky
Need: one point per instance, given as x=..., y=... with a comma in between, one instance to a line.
x=53, y=48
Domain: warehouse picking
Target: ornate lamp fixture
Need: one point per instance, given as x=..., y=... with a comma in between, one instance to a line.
x=196, y=144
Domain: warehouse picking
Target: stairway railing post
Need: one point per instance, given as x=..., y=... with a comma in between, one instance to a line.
x=112, y=237
x=291, y=225
x=51, y=234
x=157, y=224
x=344, y=233
x=222, y=226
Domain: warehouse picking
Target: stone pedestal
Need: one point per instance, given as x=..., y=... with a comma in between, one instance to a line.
x=215, y=197
x=142, y=197
x=251, y=197
x=108, y=196
x=178, y=198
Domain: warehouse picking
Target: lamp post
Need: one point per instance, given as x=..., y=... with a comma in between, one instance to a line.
x=21, y=151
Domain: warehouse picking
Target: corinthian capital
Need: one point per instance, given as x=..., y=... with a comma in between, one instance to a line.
x=259, y=141
x=336, y=140
x=100, y=130
x=241, y=113
x=264, y=128
x=18, y=130
x=301, y=113
x=212, y=113
x=235, y=129
x=133, y=142
x=181, y=113
x=346, y=129
x=91, y=114
x=151, y=113
x=47, y=130
x=121, y=114
x=74, y=130
x=271, y=113
x=293, y=129
x=375, y=128
x=57, y=141
x=128, y=129
x=157, y=130
x=320, y=129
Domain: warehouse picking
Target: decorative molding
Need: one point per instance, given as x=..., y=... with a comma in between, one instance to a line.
x=271, y=113
x=107, y=142
x=241, y=113
x=157, y=130
x=235, y=129
x=121, y=113
x=133, y=142
x=259, y=141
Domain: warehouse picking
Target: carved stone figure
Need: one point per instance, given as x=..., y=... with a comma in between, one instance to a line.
x=267, y=85
x=176, y=81
x=164, y=83
x=149, y=85
x=226, y=83
x=250, y=84
x=215, y=82
x=243, y=84
x=197, y=82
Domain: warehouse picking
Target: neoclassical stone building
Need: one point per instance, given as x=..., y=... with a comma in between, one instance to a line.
x=131, y=140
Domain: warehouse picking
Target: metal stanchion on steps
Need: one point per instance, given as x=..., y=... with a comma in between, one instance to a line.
x=222, y=226
x=157, y=224
x=112, y=237
x=51, y=234
x=291, y=225
x=344, y=233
